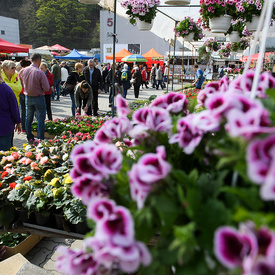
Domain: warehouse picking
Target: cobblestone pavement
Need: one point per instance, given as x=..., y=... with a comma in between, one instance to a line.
x=44, y=254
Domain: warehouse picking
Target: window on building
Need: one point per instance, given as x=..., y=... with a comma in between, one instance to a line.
x=3, y=32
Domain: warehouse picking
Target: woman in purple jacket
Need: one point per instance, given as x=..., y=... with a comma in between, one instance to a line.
x=9, y=116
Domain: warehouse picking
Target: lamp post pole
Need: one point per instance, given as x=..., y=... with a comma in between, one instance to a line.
x=114, y=64
x=175, y=40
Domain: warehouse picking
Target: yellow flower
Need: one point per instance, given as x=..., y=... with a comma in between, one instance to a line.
x=54, y=182
x=67, y=179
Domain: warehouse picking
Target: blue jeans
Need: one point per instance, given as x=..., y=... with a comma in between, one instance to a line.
x=159, y=82
x=22, y=102
x=5, y=142
x=35, y=104
x=73, y=107
x=57, y=88
x=125, y=93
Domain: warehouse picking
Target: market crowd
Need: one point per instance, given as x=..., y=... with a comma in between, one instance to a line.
x=28, y=87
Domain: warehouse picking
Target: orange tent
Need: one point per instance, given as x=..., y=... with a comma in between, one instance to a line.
x=119, y=55
x=153, y=56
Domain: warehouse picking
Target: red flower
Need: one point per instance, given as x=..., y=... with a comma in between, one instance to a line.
x=0, y=184
x=28, y=154
x=15, y=155
x=27, y=178
x=12, y=185
x=5, y=173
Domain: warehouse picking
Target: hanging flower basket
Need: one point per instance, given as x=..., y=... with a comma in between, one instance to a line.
x=144, y=26
x=220, y=24
x=189, y=30
x=212, y=45
x=252, y=26
x=234, y=37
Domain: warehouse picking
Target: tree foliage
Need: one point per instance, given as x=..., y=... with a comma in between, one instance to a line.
x=66, y=22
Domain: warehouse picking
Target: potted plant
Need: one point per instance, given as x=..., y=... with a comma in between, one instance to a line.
x=141, y=12
x=212, y=45
x=250, y=11
x=189, y=30
x=235, y=46
x=225, y=52
x=236, y=30
x=243, y=44
x=204, y=56
x=216, y=15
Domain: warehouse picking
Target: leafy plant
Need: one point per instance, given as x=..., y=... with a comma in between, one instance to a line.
x=187, y=26
x=12, y=239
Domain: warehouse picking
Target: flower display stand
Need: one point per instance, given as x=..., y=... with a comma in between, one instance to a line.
x=144, y=26
x=252, y=26
x=234, y=37
x=220, y=24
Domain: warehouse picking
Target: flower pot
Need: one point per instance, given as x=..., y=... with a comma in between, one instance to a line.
x=23, y=214
x=234, y=37
x=82, y=228
x=59, y=221
x=239, y=51
x=89, y=2
x=42, y=219
x=233, y=53
x=220, y=24
x=144, y=26
x=189, y=37
x=208, y=50
x=252, y=26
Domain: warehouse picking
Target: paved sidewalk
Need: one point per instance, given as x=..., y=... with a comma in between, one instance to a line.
x=44, y=254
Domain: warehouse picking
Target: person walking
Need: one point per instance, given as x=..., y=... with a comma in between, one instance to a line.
x=35, y=84
x=105, y=79
x=73, y=79
x=9, y=115
x=118, y=80
x=125, y=77
x=137, y=81
x=198, y=77
x=153, y=75
x=56, y=71
x=144, y=75
x=159, y=78
x=84, y=98
x=47, y=94
x=93, y=76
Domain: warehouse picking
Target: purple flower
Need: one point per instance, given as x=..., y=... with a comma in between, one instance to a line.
x=86, y=188
x=76, y=262
x=113, y=129
x=206, y=122
x=268, y=187
x=218, y=104
x=150, y=118
x=232, y=247
x=188, y=136
x=101, y=209
x=150, y=169
x=172, y=102
x=264, y=267
x=122, y=106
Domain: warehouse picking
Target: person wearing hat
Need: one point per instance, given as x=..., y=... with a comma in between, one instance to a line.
x=56, y=71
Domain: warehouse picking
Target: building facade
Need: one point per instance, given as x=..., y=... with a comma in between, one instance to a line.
x=128, y=37
x=9, y=29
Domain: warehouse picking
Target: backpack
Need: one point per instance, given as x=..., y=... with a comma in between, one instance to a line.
x=124, y=76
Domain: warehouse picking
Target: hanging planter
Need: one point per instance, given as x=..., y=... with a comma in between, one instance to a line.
x=234, y=37
x=144, y=26
x=220, y=24
x=252, y=26
x=211, y=45
x=177, y=2
x=189, y=37
x=208, y=50
x=89, y=2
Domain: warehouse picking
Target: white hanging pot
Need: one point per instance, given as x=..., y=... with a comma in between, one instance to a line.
x=177, y=2
x=233, y=53
x=239, y=51
x=220, y=24
x=234, y=37
x=208, y=50
x=91, y=2
x=144, y=26
x=189, y=37
x=252, y=26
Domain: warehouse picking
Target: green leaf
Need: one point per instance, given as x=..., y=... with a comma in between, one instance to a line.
x=31, y=202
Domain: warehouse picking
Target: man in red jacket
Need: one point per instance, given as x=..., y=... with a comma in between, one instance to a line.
x=47, y=94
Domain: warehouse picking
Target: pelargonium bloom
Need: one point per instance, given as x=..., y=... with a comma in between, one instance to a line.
x=209, y=90
x=150, y=118
x=101, y=209
x=232, y=247
x=172, y=102
x=76, y=262
x=206, y=122
x=259, y=157
x=150, y=169
x=113, y=129
x=122, y=106
x=188, y=136
x=264, y=267
x=268, y=187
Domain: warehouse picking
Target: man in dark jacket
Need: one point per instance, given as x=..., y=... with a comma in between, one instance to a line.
x=93, y=76
x=56, y=71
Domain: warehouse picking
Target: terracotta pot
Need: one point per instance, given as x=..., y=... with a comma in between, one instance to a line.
x=220, y=24
x=144, y=26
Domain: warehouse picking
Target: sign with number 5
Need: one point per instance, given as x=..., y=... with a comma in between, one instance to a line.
x=110, y=22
